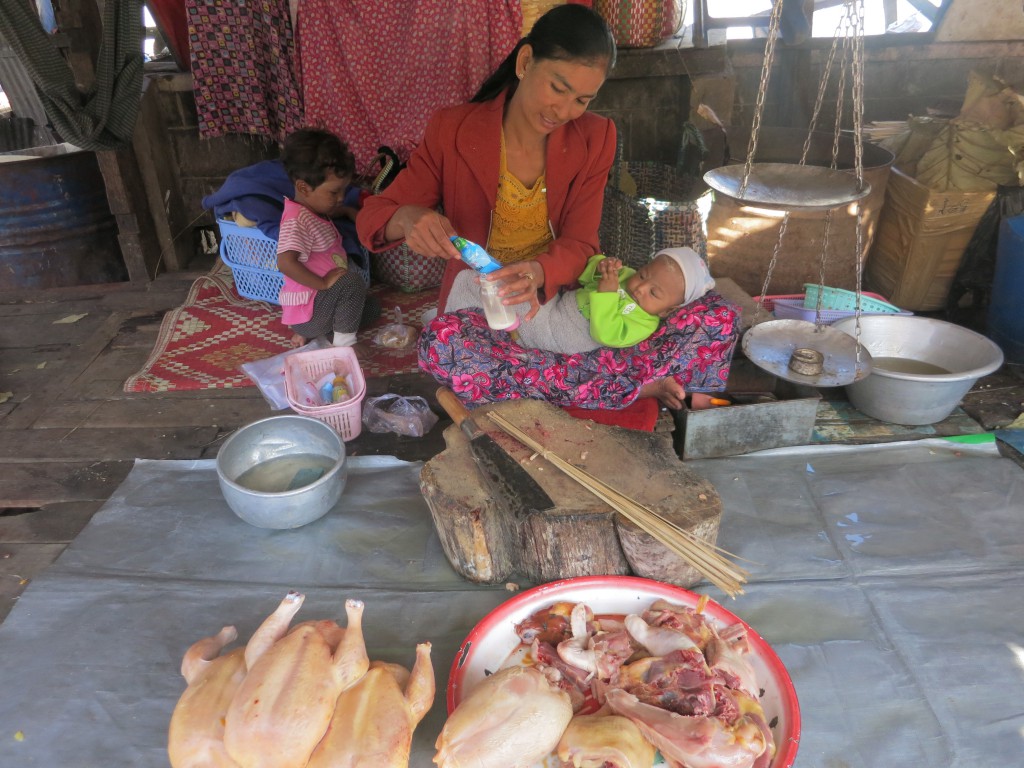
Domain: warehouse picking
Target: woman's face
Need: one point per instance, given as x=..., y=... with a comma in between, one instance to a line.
x=552, y=91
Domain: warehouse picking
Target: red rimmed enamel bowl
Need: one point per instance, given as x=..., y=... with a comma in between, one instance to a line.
x=491, y=643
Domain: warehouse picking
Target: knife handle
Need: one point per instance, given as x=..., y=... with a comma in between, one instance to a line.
x=454, y=408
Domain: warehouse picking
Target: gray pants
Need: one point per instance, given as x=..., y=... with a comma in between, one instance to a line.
x=557, y=327
x=339, y=308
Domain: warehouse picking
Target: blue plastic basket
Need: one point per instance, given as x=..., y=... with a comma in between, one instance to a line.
x=841, y=299
x=252, y=257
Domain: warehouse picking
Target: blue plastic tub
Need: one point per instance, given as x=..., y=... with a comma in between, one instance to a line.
x=1006, y=305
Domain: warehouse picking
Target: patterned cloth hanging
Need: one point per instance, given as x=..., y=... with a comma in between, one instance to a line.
x=243, y=66
x=374, y=72
x=103, y=117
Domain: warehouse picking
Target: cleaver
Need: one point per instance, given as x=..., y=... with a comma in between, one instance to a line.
x=505, y=477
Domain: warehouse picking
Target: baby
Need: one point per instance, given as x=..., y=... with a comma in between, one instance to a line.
x=615, y=306
x=321, y=294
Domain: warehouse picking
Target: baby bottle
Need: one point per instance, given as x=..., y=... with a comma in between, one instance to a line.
x=499, y=317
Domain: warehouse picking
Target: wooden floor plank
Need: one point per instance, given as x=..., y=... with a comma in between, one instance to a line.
x=107, y=444
x=36, y=484
x=156, y=411
x=27, y=330
x=52, y=524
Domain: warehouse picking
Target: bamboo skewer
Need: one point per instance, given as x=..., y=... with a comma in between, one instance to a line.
x=704, y=556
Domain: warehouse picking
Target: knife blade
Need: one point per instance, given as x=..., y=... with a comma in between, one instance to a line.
x=505, y=477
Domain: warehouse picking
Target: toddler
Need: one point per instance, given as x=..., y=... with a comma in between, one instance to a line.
x=320, y=293
x=615, y=306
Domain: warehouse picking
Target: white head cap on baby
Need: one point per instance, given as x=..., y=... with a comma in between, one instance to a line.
x=695, y=271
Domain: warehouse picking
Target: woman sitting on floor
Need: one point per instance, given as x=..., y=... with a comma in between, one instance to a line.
x=522, y=169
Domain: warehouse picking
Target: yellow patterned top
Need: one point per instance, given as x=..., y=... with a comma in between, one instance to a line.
x=520, y=228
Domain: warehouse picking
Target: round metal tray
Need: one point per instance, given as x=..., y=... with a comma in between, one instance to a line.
x=770, y=346
x=788, y=186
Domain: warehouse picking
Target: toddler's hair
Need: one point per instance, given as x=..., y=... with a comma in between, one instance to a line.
x=310, y=153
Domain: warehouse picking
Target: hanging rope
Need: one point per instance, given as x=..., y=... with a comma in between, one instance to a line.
x=104, y=116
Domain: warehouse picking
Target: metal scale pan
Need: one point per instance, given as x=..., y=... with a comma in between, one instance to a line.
x=788, y=186
x=772, y=345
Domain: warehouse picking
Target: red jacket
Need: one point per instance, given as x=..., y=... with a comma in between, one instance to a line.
x=456, y=165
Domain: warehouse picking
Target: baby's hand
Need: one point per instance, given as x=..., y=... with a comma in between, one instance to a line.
x=609, y=270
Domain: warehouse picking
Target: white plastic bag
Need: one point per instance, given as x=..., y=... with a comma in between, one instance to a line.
x=396, y=335
x=409, y=416
x=268, y=374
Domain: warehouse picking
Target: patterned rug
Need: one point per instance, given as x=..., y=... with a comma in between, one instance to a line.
x=396, y=306
x=203, y=343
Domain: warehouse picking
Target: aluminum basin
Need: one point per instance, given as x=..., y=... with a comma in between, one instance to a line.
x=915, y=398
x=279, y=438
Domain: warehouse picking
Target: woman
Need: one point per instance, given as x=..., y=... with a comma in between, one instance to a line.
x=521, y=170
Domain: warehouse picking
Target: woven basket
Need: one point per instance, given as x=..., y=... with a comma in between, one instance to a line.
x=641, y=23
x=406, y=270
x=534, y=9
x=662, y=214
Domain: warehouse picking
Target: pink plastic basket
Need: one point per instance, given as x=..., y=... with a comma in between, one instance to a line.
x=306, y=368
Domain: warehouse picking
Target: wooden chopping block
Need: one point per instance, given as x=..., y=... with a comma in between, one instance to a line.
x=581, y=535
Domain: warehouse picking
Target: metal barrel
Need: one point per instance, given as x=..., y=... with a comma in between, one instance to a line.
x=56, y=227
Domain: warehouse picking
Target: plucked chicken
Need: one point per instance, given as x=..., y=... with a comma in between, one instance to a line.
x=512, y=719
x=604, y=741
x=195, y=738
x=287, y=699
x=374, y=720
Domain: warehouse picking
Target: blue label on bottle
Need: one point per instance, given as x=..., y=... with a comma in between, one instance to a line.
x=475, y=256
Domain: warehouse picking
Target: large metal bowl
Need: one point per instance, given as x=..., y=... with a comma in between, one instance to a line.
x=908, y=393
x=280, y=437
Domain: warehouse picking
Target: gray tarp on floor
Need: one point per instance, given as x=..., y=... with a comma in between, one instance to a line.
x=889, y=581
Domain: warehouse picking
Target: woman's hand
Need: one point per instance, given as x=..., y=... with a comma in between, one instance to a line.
x=424, y=230
x=520, y=283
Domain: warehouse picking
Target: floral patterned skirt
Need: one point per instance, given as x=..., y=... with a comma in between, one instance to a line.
x=695, y=345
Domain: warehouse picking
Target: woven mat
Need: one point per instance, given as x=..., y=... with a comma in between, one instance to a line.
x=203, y=343
x=377, y=361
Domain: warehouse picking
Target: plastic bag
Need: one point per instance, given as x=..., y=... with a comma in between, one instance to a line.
x=409, y=416
x=396, y=335
x=268, y=374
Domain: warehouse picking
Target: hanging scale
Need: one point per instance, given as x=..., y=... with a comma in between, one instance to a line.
x=798, y=350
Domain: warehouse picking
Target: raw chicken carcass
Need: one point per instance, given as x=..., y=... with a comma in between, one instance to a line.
x=604, y=741
x=695, y=741
x=659, y=641
x=512, y=719
x=727, y=654
x=195, y=738
x=285, y=703
x=374, y=720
